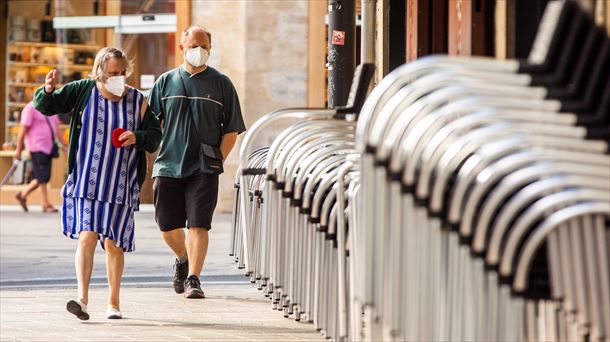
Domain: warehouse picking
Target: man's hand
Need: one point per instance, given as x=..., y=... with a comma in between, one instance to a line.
x=17, y=154
x=50, y=81
x=128, y=138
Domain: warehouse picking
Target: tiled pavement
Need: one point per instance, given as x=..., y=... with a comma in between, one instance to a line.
x=37, y=278
x=229, y=313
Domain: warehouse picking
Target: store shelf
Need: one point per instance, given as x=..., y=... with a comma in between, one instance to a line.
x=17, y=104
x=23, y=84
x=58, y=66
x=8, y=192
x=11, y=124
x=11, y=154
x=27, y=63
x=28, y=84
x=14, y=187
x=31, y=85
x=59, y=45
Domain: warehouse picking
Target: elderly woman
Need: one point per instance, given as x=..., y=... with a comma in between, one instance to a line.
x=104, y=176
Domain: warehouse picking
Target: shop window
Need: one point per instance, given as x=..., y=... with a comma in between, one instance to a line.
x=34, y=46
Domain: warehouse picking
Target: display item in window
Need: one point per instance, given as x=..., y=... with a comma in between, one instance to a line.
x=47, y=31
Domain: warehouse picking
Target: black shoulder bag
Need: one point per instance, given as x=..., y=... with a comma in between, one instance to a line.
x=210, y=157
x=55, y=150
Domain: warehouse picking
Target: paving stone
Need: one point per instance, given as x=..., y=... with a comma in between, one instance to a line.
x=232, y=311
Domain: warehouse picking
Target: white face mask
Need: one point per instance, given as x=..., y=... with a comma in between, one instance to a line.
x=115, y=85
x=197, y=56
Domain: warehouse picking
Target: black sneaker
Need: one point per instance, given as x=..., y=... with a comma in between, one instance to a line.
x=182, y=271
x=192, y=288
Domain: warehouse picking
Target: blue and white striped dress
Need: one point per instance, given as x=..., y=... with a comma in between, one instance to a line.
x=102, y=192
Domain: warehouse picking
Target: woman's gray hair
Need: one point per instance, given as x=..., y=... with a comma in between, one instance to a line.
x=99, y=65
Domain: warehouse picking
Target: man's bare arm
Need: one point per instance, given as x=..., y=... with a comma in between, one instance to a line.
x=227, y=143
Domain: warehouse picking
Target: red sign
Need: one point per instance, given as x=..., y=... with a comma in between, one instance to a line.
x=338, y=37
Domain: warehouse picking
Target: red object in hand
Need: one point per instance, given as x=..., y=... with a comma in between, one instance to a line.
x=115, y=137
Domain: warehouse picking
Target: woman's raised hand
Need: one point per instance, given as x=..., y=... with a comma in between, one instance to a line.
x=50, y=81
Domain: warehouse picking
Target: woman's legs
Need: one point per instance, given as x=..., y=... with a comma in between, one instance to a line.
x=83, y=262
x=115, y=262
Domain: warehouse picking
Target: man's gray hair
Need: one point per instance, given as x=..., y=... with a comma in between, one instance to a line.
x=186, y=32
x=99, y=65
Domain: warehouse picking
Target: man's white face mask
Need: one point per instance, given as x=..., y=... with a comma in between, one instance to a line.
x=115, y=85
x=197, y=56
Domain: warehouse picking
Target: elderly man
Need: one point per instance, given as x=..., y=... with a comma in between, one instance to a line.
x=195, y=104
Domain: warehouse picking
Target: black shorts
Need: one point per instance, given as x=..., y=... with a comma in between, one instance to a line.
x=185, y=202
x=41, y=166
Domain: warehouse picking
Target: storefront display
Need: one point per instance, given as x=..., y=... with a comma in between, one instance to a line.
x=33, y=48
x=37, y=39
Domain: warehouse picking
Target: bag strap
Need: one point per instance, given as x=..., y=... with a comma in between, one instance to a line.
x=189, y=104
x=50, y=128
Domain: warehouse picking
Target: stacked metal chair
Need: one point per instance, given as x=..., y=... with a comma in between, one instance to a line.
x=256, y=160
x=469, y=171
x=469, y=201
x=288, y=231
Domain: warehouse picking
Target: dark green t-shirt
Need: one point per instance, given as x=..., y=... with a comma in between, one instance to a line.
x=214, y=109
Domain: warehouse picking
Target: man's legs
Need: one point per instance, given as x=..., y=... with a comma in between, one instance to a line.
x=22, y=196
x=31, y=187
x=178, y=201
x=175, y=239
x=47, y=207
x=201, y=197
x=41, y=167
x=197, y=249
x=45, y=195
x=170, y=214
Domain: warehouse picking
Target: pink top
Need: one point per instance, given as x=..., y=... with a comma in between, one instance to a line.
x=38, y=137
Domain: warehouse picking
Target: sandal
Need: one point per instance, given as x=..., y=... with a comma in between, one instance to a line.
x=49, y=209
x=21, y=201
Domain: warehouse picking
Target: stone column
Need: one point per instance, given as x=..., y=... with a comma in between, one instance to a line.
x=262, y=47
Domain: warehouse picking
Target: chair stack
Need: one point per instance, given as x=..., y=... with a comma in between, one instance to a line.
x=470, y=169
x=297, y=246
x=469, y=199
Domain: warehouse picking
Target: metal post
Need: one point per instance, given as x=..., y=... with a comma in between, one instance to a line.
x=341, y=243
x=341, y=50
x=367, y=35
